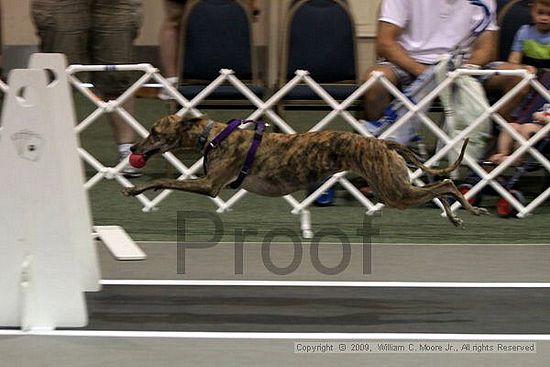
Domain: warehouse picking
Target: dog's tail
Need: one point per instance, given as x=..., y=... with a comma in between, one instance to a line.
x=411, y=157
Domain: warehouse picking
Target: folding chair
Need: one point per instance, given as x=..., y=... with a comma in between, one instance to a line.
x=217, y=34
x=501, y=4
x=319, y=36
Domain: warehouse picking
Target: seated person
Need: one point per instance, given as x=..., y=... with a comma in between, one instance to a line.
x=412, y=36
x=532, y=41
x=531, y=45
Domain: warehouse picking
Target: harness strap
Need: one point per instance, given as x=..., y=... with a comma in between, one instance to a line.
x=231, y=126
x=258, y=135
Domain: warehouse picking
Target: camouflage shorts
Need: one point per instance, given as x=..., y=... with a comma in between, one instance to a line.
x=91, y=32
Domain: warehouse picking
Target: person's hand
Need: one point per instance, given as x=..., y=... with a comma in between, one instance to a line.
x=529, y=68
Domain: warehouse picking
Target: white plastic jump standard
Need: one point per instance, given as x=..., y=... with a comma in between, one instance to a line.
x=44, y=273
x=62, y=123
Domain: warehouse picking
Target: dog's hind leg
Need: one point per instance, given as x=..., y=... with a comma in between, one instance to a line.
x=454, y=219
x=447, y=187
x=413, y=196
x=418, y=195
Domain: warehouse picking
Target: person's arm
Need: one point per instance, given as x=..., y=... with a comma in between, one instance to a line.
x=389, y=48
x=516, y=51
x=484, y=49
x=515, y=57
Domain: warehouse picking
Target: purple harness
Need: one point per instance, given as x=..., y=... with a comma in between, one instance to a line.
x=259, y=127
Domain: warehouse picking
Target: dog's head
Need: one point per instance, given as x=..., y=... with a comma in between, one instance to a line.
x=169, y=133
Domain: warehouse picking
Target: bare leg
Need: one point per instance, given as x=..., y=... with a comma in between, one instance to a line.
x=528, y=130
x=377, y=97
x=170, y=31
x=123, y=133
x=505, y=144
x=169, y=37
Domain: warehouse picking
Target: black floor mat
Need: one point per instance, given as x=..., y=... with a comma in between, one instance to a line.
x=321, y=309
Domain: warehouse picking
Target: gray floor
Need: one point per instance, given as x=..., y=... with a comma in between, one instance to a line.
x=318, y=309
x=297, y=310
x=381, y=262
x=141, y=352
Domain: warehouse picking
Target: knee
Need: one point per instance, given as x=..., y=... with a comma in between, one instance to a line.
x=380, y=70
x=516, y=126
x=528, y=130
x=377, y=96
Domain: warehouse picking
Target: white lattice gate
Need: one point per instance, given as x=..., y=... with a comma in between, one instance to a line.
x=338, y=109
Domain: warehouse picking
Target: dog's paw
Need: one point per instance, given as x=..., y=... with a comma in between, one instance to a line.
x=480, y=211
x=457, y=222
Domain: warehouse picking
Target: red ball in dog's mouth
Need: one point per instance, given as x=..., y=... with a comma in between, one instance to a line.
x=137, y=160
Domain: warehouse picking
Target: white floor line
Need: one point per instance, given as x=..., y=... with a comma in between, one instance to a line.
x=284, y=336
x=299, y=283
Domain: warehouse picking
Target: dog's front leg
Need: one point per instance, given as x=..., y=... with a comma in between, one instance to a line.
x=204, y=185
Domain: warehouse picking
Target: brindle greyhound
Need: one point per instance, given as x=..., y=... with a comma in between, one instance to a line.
x=286, y=163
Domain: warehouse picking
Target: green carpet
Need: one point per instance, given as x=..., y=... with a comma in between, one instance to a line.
x=259, y=216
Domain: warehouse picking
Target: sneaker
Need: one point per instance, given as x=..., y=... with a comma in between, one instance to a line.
x=128, y=171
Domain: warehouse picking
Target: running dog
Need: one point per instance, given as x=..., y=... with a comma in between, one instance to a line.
x=285, y=163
